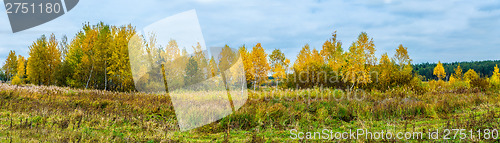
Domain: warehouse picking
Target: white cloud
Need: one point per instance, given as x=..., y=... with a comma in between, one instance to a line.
x=183, y=27
x=430, y=28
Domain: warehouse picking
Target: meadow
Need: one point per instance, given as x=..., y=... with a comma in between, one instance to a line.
x=56, y=114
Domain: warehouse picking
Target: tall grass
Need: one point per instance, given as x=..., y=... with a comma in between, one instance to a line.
x=41, y=113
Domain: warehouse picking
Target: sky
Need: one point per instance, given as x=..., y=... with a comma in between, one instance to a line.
x=433, y=30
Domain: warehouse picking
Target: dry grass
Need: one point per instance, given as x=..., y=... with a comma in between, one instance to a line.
x=55, y=114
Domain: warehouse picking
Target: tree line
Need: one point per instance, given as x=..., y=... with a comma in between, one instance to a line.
x=97, y=57
x=483, y=68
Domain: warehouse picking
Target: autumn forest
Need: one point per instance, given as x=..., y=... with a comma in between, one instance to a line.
x=82, y=88
x=97, y=58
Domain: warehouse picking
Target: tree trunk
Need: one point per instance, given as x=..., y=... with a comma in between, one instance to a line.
x=277, y=82
x=352, y=86
x=254, y=84
x=105, y=76
x=90, y=76
x=164, y=78
x=227, y=91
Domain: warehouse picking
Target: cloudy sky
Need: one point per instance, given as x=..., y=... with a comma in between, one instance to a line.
x=433, y=30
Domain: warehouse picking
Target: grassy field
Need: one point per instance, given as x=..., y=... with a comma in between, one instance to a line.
x=55, y=114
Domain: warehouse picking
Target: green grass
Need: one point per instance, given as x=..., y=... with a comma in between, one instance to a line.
x=53, y=114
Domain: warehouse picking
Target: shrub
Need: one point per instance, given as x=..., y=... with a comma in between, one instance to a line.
x=459, y=86
x=495, y=83
x=385, y=108
x=444, y=106
x=495, y=79
x=437, y=86
x=412, y=107
x=321, y=114
x=16, y=80
x=345, y=114
x=400, y=92
x=480, y=83
x=417, y=86
x=430, y=111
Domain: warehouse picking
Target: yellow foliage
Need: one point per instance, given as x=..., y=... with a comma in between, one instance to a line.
x=54, y=59
x=301, y=65
x=307, y=67
x=458, y=73
x=279, y=72
x=10, y=67
x=279, y=64
x=470, y=75
x=213, y=67
x=496, y=71
x=495, y=78
x=21, y=66
x=333, y=53
x=453, y=79
x=260, y=64
x=36, y=68
x=360, y=60
x=439, y=71
x=247, y=64
x=386, y=71
x=16, y=80
x=402, y=56
x=437, y=85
